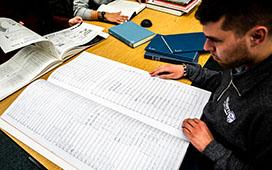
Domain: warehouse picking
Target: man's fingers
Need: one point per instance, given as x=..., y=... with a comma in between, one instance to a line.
x=157, y=71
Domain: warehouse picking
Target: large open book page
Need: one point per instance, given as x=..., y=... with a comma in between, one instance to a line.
x=89, y=135
x=165, y=103
x=94, y=113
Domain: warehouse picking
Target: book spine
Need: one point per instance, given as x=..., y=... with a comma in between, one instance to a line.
x=166, y=59
x=116, y=35
x=164, y=9
x=171, y=55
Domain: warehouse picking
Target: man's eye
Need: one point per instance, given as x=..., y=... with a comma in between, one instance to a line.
x=216, y=40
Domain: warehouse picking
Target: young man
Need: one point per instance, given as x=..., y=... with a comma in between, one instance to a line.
x=235, y=131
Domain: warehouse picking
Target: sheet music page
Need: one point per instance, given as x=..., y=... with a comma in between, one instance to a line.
x=14, y=36
x=87, y=135
x=24, y=67
x=163, y=104
x=69, y=38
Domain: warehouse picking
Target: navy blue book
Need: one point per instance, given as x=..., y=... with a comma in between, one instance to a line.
x=131, y=33
x=188, y=42
x=158, y=45
x=167, y=59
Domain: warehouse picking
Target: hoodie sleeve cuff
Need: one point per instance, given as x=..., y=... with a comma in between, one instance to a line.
x=191, y=71
x=215, y=151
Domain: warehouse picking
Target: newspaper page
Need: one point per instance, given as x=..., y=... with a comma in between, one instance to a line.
x=29, y=63
x=14, y=35
x=70, y=38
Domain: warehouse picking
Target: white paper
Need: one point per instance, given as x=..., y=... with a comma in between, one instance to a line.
x=127, y=8
x=70, y=38
x=24, y=67
x=161, y=103
x=95, y=113
x=14, y=36
x=88, y=135
x=34, y=61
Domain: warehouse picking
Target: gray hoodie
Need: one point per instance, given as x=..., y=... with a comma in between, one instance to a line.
x=239, y=115
x=83, y=8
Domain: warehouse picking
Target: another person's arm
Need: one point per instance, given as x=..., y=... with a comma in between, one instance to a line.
x=82, y=9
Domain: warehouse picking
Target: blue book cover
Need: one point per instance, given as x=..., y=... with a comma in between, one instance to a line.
x=158, y=45
x=131, y=33
x=188, y=42
x=164, y=58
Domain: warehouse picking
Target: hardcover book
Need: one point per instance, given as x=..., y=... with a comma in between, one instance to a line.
x=160, y=46
x=188, y=42
x=168, y=59
x=131, y=33
x=181, y=5
x=164, y=9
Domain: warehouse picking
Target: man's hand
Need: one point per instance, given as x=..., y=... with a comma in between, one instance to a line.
x=116, y=17
x=75, y=20
x=198, y=133
x=174, y=71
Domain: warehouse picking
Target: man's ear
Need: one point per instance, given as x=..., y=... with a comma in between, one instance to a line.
x=257, y=35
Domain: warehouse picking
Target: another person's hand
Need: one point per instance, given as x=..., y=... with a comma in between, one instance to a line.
x=140, y=1
x=198, y=133
x=116, y=17
x=75, y=20
x=173, y=71
x=21, y=22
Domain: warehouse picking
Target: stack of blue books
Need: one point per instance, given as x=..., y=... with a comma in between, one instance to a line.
x=176, y=48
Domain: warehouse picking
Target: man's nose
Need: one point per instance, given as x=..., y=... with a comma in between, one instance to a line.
x=208, y=46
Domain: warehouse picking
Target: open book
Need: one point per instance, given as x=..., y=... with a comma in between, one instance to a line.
x=127, y=8
x=95, y=113
x=48, y=52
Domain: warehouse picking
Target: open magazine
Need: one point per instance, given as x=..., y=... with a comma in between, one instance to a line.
x=94, y=113
x=40, y=53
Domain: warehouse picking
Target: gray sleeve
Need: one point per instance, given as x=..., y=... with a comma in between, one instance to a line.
x=203, y=78
x=223, y=158
x=81, y=8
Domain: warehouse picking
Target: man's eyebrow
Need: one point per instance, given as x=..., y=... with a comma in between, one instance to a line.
x=213, y=38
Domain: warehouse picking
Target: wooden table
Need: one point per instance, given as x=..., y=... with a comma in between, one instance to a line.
x=114, y=49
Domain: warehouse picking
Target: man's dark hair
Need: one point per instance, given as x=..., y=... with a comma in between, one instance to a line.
x=239, y=15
